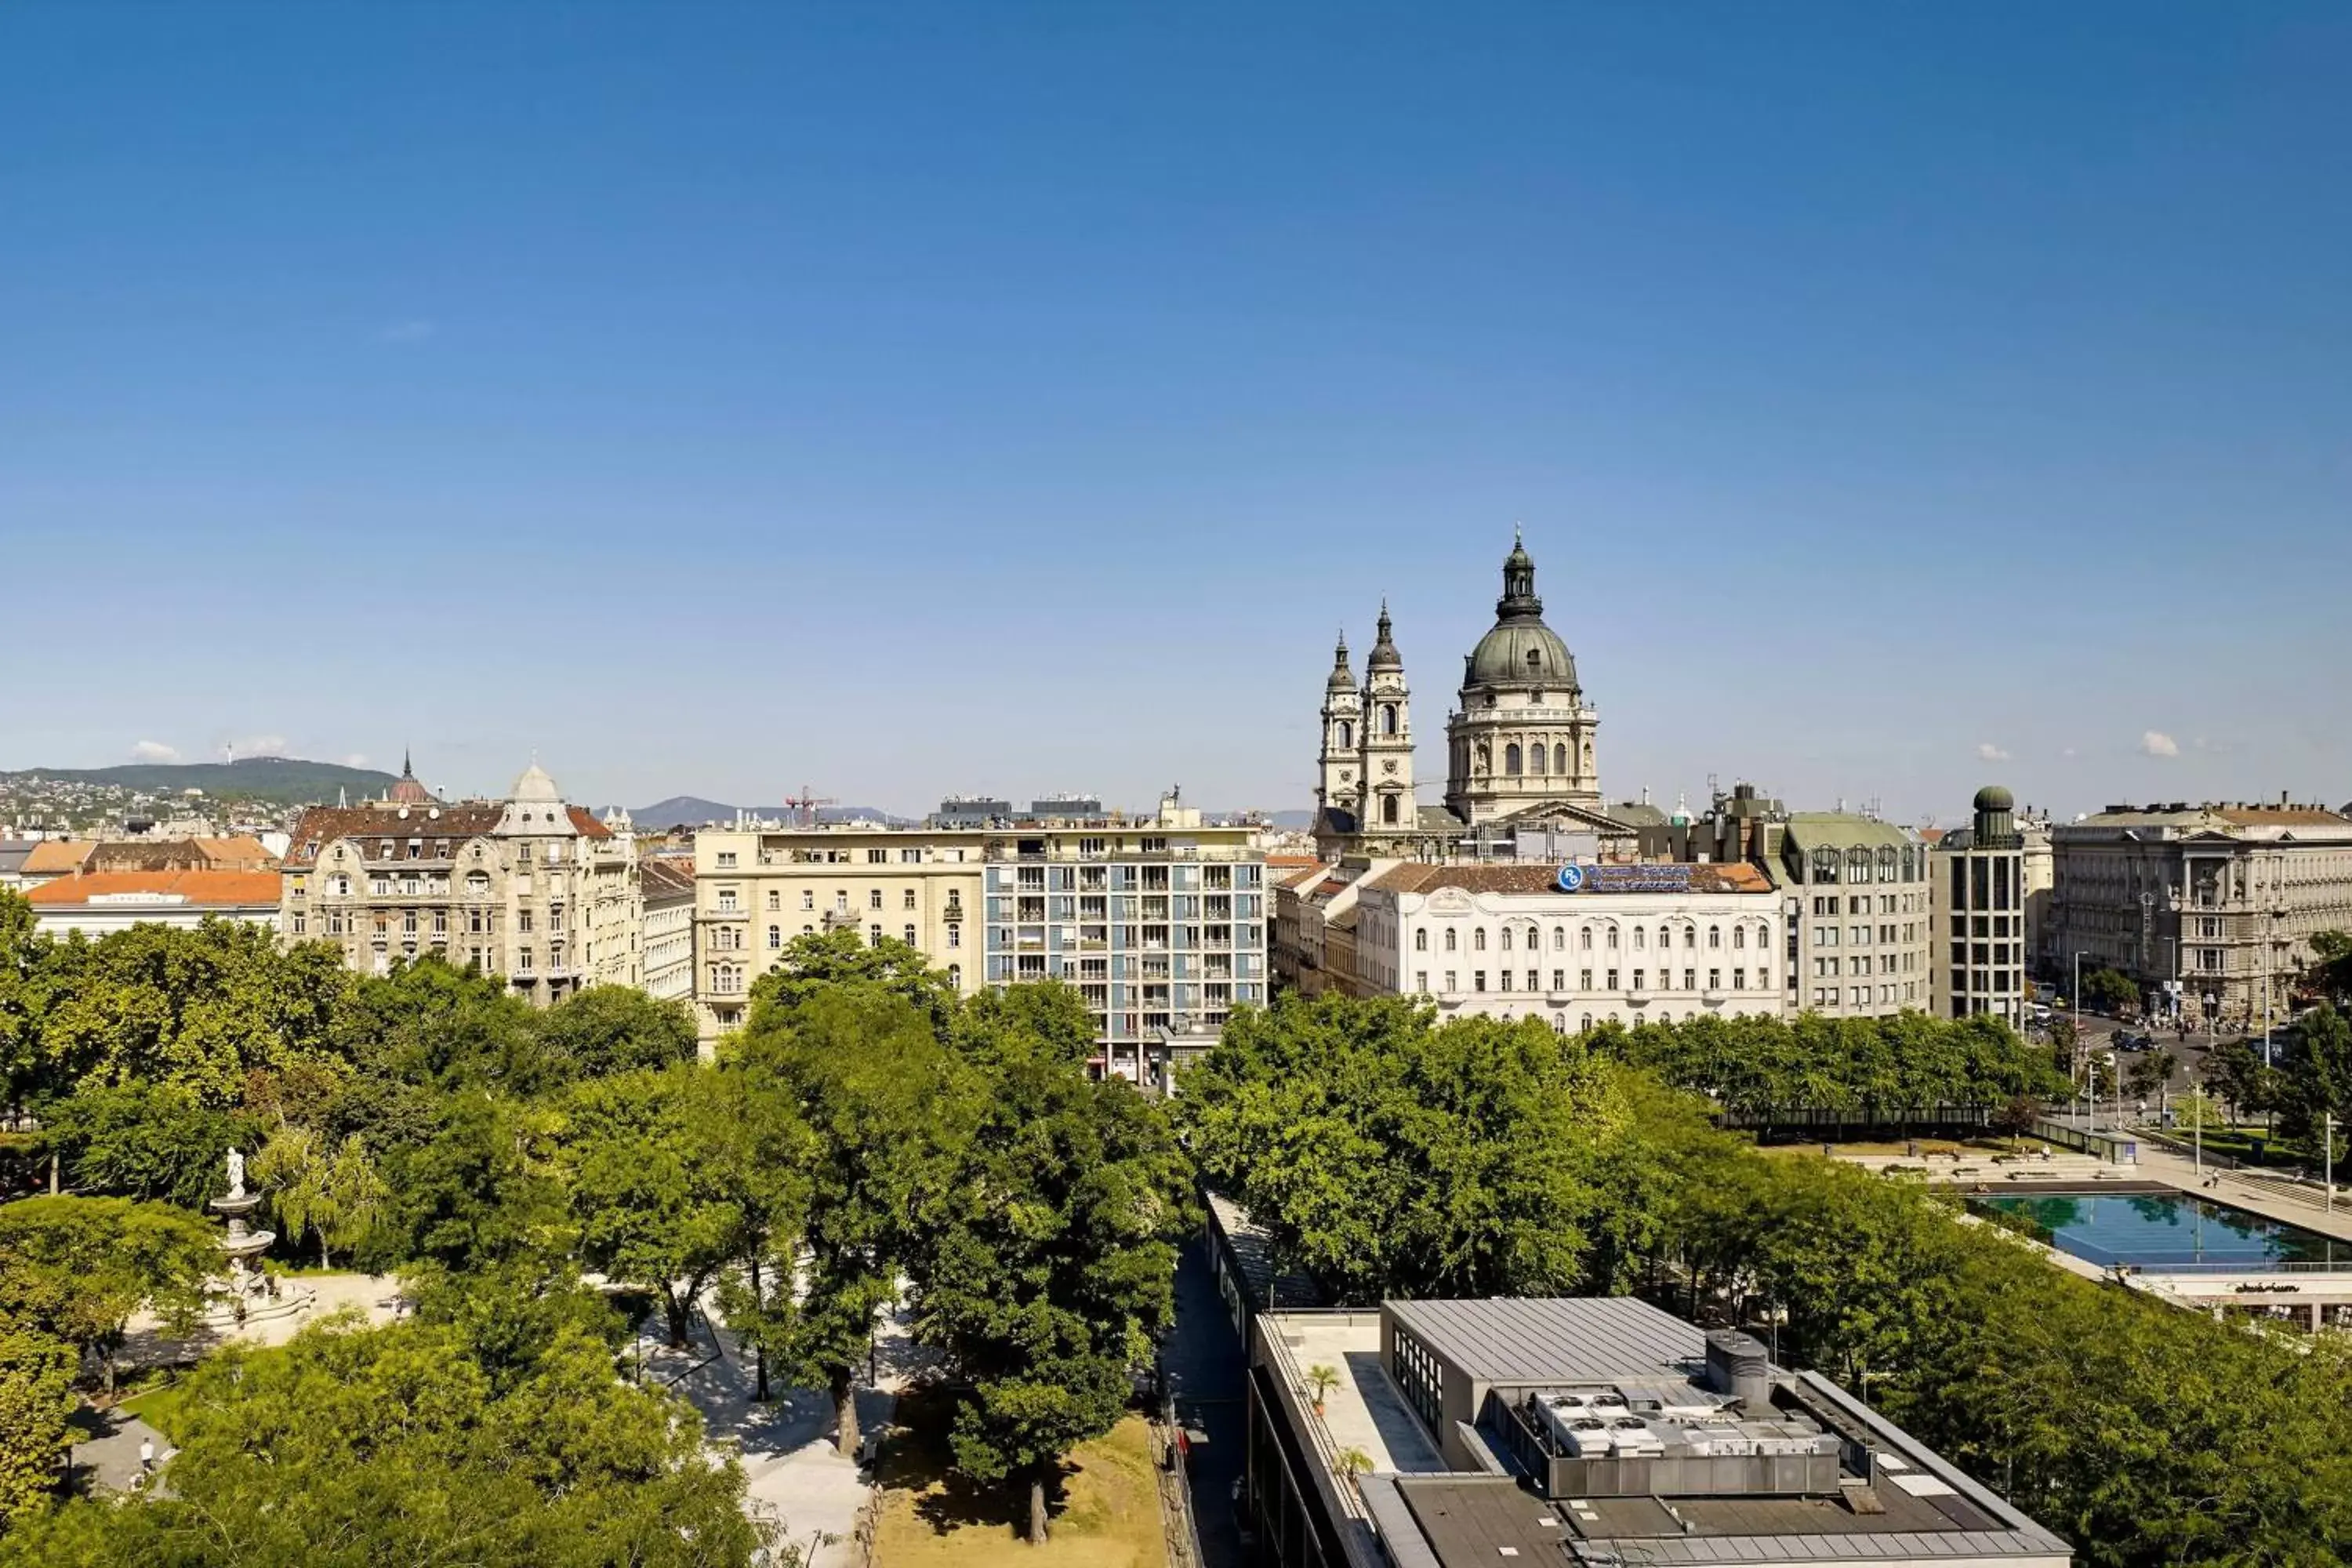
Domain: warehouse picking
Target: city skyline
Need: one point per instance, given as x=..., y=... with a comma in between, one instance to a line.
x=942, y=403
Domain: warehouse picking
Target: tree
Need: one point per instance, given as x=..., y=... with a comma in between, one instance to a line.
x=1048, y=1267
x=484, y=1193
x=817, y=963
x=880, y=1097
x=644, y=1187
x=1320, y=1381
x=2331, y=965
x=35, y=1397
x=24, y=999
x=330, y=1192
x=76, y=1269
x=428, y=1022
x=351, y=1448
x=2108, y=990
x=2017, y=1117
x=143, y=1140
x=2149, y=1072
x=2316, y=1078
x=760, y=1154
x=608, y=1030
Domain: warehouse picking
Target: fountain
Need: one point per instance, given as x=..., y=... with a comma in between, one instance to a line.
x=248, y=1295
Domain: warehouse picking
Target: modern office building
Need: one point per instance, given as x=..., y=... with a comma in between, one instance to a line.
x=1574, y=945
x=2225, y=896
x=530, y=888
x=1600, y=1433
x=1159, y=920
x=1859, y=919
x=1977, y=890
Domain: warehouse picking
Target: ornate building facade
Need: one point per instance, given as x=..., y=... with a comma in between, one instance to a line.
x=1520, y=744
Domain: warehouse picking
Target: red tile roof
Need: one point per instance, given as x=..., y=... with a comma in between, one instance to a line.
x=322, y=825
x=585, y=821
x=53, y=856
x=206, y=890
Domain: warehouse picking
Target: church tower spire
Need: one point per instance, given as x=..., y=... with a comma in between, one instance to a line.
x=1386, y=766
x=1339, y=765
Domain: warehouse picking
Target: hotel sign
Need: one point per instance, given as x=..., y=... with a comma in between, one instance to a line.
x=1624, y=879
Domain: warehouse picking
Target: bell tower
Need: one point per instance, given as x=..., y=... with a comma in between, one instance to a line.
x=1387, y=768
x=1340, y=781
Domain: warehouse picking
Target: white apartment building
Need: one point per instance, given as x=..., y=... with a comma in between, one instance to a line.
x=1860, y=927
x=667, y=952
x=1575, y=945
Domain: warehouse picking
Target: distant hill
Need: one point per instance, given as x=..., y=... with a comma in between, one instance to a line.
x=280, y=781
x=1290, y=819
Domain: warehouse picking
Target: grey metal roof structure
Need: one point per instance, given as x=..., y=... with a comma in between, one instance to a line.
x=1588, y=1338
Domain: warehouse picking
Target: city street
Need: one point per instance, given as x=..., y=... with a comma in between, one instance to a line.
x=1206, y=1367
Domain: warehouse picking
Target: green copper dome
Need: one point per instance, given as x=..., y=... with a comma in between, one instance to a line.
x=1520, y=650
x=1992, y=798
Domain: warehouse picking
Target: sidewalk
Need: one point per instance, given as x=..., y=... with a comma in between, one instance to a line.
x=2269, y=1199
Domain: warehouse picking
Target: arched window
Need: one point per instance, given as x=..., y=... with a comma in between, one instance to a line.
x=1639, y=938
x=1584, y=939
x=1511, y=760
x=910, y=937
x=1449, y=939
x=1478, y=940
x=1886, y=864
x=1535, y=759
x=1690, y=937
x=1506, y=938
x=1613, y=939
x=1825, y=866
x=1420, y=940
x=955, y=976
x=1857, y=865
x=1714, y=936
x=1347, y=733
x=1584, y=1025
x=1559, y=753
x=1665, y=938
x=1389, y=809
x=342, y=886
x=1910, y=866
x=1739, y=936
x=1388, y=718
x=776, y=938
x=1559, y=939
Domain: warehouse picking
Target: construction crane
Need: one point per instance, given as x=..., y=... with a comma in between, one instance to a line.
x=805, y=804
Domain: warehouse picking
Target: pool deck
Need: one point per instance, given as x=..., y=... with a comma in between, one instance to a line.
x=2271, y=1198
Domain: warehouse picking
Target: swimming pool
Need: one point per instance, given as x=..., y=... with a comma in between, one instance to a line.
x=2164, y=1230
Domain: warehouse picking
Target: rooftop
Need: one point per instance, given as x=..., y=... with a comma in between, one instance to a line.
x=1721, y=877
x=208, y=889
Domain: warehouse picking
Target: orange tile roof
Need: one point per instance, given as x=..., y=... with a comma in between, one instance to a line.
x=1293, y=861
x=585, y=821
x=51, y=856
x=210, y=889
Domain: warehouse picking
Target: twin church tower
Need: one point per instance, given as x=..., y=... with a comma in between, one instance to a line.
x=1520, y=747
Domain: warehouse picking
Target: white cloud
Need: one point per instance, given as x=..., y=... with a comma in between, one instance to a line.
x=1988, y=753
x=154, y=751
x=414, y=330
x=356, y=760
x=259, y=746
x=2157, y=744
x=2067, y=752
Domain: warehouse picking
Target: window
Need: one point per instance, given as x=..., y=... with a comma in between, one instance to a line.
x=877, y=857
x=775, y=901
x=873, y=898
x=1584, y=980
x=1346, y=734
x=1715, y=980
x=1640, y=936
x=300, y=924
x=908, y=902
x=955, y=935
x=1613, y=939
x=440, y=922
x=1421, y=981
x=1388, y=718
x=1714, y=936
x=874, y=936
x=1452, y=978
x=808, y=898
x=522, y=920
x=776, y=938
x=1886, y=864
x=726, y=859
x=1420, y=940
x=1479, y=980
x=1584, y=939
x=1559, y=979
x=1612, y=980
x=1449, y=939
x=1511, y=760
x=1532, y=979
x=1690, y=979
x=1641, y=978
x=1535, y=759
x=1738, y=937
x=727, y=900
x=1559, y=939
x=1507, y=980
x=1506, y=938
x=1739, y=980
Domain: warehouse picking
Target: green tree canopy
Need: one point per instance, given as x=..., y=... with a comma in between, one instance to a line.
x=607, y=1029
x=145, y=1140
x=817, y=963
x=76, y=1269
x=644, y=1151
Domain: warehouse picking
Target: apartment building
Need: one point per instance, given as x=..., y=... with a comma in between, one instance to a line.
x=530, y=888
x=2225, y=897
x=666, y=949
x=1860, y=921
x=1159, y=920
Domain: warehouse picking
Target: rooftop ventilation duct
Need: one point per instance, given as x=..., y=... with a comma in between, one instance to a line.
x=1737, y=1364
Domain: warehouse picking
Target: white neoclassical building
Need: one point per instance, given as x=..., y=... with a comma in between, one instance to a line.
x=1575, y=945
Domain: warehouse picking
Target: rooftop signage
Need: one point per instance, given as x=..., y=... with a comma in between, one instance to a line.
x=1624, y=879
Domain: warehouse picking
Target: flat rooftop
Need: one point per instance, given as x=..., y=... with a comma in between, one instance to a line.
x=1366, y=1410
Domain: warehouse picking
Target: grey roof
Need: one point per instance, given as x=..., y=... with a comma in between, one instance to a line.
x=1843, y=830
x=1252, y=1246
x=1553, y=1338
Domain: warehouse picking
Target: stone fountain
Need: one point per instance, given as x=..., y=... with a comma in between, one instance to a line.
x=247, y=1295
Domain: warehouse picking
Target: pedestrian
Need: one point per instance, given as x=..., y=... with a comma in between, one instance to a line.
x=147, y=1455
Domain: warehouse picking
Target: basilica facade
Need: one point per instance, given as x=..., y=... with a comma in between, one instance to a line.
x=1518, y=746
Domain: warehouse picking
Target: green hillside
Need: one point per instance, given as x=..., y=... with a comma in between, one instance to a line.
x=282, y=780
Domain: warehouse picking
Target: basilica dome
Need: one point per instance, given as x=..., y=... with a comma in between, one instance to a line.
x=1520, y=650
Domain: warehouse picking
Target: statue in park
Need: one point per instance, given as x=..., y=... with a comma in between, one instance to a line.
x=235, y=1175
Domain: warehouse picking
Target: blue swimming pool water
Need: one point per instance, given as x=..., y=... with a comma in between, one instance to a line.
x=2155, y=1230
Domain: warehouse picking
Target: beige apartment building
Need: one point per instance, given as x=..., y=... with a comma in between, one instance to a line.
x=1860, y=924
x=666, y=949
x=1982, y=901
x=2223, y=897
x=530, y=888
x=1160, y=921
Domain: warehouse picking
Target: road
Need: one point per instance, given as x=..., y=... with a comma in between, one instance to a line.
x=1207, y=1370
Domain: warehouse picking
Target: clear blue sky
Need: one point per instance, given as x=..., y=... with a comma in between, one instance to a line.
x=905, y=398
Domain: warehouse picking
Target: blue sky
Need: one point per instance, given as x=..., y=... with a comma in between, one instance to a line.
x=903, y=399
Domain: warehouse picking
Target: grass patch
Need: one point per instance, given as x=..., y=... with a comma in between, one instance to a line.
x=1106, y=1511
x=159, y=1406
